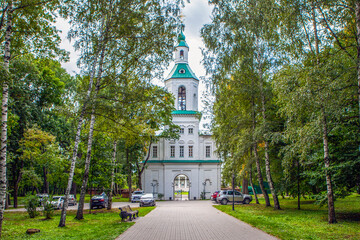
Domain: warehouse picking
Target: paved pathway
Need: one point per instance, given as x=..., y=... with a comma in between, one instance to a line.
x=190, y=220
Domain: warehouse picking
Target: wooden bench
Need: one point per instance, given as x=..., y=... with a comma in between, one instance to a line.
x=127, y=212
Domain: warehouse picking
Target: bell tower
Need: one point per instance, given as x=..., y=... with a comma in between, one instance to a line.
x=182, y=82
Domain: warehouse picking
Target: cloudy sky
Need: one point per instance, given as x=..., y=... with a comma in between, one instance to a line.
x=196, y=14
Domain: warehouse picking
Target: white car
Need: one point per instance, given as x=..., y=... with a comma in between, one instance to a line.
x=57, y=202
x=136, y=195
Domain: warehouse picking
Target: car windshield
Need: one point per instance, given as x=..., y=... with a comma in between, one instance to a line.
x=137, y=192
x=147, y=197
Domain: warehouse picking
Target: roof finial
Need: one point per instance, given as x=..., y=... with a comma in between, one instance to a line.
x=181, y=36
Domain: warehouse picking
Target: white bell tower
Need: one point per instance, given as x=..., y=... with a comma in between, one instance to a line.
x=182, y=82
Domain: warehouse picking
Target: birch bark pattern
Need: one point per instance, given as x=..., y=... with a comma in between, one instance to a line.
x=112, y=176
x=76, y=146
x=330, y=194
x=4, y=115
x=267, y=157
x=79, y=213
x=257, y=161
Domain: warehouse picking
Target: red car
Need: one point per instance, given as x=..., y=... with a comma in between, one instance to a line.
x=214, y=195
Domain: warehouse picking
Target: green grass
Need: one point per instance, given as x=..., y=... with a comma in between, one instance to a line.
x=21, y=200
x=308, y=223
x=101, y=224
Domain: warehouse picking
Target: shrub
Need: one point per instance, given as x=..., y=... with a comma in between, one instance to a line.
x=31, y=202
x=48, y=209
x=160, y=196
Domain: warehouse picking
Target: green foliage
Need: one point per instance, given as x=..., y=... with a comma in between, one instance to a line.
x=47, y=208
x=31, y=203
x=32, y=28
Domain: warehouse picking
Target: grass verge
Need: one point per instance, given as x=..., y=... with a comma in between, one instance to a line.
x=100, y=225
x=308, y=223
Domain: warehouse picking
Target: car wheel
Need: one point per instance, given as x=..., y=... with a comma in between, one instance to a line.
x=246, y=201
x=224, y=201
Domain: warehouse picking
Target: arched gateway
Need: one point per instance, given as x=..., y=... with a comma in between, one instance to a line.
x=182, y=186
x=189, y=164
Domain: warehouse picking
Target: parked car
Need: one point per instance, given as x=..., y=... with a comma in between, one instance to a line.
x=147, y=200
x=214, y=195
x=100, y=201
x=136, y=195
x=226, y=196
x=42, y=197
x=57, y=202
x=72, y=200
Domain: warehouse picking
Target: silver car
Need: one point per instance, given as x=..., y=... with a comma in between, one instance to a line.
x=226, y=196
x=147, y=200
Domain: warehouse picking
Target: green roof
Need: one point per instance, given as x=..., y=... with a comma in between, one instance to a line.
x=185, y=112
x=181, y=40
x=182, y=44
x=185, y=72
x=184, y=161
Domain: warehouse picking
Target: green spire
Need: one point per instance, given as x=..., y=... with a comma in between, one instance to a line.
x=181, y=40
x=181, y=36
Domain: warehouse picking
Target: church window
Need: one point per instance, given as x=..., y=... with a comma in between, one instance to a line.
x=182, y=70
x=190, y=151
x=207, y=151
x=155, y=152
x=191, y=130
x=182, y=98
x=172, y=151
x=181, y=130
x=181, y=54
x=181, y=151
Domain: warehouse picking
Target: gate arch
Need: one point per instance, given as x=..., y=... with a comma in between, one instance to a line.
x=181, y=187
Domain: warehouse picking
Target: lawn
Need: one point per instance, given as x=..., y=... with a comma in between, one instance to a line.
x=21, y=200
x=308, y=223
x=100, y=225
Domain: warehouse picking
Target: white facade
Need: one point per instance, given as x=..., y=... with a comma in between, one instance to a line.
x=193, y=155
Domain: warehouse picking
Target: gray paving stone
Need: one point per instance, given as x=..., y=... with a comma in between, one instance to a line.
x=191, y=220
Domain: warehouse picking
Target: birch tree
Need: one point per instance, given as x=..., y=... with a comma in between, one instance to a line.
x=129, y=42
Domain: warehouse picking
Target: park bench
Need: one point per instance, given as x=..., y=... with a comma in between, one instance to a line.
x=127, y=212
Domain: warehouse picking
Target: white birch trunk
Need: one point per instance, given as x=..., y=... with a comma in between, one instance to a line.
x=257, y=161
x=4, y=115
x=75, y=150
x=267, y=157
x=79, y=214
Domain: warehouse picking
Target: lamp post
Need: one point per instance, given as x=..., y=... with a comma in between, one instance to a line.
x=204, y=183
x=189, y=189
x=233, y=188
x=203, y=195
x=173, y=186
x=154, y=184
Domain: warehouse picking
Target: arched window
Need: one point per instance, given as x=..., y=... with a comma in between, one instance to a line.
x=182, y=98
x=181, y=54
